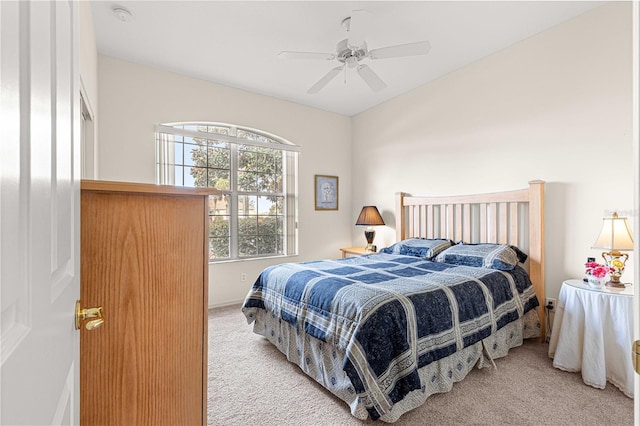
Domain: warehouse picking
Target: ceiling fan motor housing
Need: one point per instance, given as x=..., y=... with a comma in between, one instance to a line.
x=350, y=55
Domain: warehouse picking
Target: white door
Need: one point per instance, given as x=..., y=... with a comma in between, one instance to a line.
x=39, y=212
x=636, y=201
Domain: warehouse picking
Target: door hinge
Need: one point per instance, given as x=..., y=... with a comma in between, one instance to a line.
x=635, y=356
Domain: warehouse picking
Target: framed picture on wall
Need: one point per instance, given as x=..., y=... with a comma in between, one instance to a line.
x=326, y=192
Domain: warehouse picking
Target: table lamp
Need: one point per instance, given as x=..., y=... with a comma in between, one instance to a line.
x=615, y=236
x=369, y=217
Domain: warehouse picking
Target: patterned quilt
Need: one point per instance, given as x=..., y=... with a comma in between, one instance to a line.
x=392, y=314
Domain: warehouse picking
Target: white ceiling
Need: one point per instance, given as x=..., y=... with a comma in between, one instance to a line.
x=236, y=43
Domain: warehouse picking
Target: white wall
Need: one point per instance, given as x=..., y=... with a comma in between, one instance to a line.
x=88, y=53
x=556, y=107
x=133, y=98
x=89, y=81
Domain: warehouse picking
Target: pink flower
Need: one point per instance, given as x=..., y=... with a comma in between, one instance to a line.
x=591, y=265
x=598, y=270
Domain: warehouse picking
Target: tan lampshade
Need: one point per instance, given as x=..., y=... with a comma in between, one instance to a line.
x=615, y=234
x=370, y=216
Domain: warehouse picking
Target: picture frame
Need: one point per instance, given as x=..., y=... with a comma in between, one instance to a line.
x=326, y=192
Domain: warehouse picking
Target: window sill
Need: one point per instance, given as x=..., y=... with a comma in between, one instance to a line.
x=248, y=259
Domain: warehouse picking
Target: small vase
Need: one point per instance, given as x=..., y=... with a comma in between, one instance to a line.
x=595, y=281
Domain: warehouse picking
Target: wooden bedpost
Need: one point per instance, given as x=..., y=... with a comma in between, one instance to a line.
x=400, y=216
x=536, y=247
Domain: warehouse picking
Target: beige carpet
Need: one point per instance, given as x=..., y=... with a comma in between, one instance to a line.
x=252, y=383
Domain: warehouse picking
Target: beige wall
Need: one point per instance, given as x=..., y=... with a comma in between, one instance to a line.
x=89, y=85
x=88, y=53
x=133, y=98
x=556, y=107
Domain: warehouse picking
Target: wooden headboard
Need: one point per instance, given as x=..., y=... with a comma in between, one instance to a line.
x=511, y=217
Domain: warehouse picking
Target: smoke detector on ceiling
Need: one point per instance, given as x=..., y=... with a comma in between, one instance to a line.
x=122, y=14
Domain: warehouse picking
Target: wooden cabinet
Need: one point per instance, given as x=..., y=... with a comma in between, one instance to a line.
x=144, y=259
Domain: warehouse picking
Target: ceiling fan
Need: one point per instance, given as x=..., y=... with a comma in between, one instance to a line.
x=352, y=50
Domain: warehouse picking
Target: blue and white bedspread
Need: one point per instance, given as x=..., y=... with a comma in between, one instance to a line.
x=391, y=314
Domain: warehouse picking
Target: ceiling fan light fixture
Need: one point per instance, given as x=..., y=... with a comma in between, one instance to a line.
x=352, y=62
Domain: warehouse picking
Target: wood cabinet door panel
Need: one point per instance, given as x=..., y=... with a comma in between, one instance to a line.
x=142, y=261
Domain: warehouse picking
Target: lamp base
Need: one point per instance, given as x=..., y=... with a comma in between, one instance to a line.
x=369, y=234
x=616, y=261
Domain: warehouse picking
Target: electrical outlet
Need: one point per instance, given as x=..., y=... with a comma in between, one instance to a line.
x=550, y=302
x=243, y=277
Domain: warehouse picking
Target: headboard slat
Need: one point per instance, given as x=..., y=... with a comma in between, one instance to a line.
x=458, y=219
x=450, y=223
x=513, y=224
x=493, y=223
x=503, y=223
x=442, y=227
x=423, y=221
x=466, y=227
x=483, y=222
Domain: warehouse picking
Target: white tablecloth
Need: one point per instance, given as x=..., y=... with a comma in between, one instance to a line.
x=593, y=333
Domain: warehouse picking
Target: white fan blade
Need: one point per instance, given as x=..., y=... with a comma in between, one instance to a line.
x=371, y=78
x=409, y=49
x=325, y=80
x=306, y=55
x=357, y=27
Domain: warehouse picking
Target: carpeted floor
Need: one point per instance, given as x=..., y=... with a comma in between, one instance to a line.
x=252, y=383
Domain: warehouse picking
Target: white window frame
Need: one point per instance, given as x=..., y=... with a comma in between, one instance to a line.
x=165, y=176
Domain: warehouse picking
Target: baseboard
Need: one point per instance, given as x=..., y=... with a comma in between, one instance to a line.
x=225, y=304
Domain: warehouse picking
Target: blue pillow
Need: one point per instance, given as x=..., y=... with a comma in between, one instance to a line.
x=493, y=256
x=418, y=247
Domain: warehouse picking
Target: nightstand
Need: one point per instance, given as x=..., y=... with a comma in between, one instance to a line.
x=353, y=251
x=593, y=334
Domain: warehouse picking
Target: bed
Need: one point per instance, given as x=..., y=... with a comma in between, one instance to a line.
x=459, y=288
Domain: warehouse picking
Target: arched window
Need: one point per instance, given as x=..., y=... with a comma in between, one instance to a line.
x=257, y=173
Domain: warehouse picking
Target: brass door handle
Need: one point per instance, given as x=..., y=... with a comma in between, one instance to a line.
x=86, y=313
